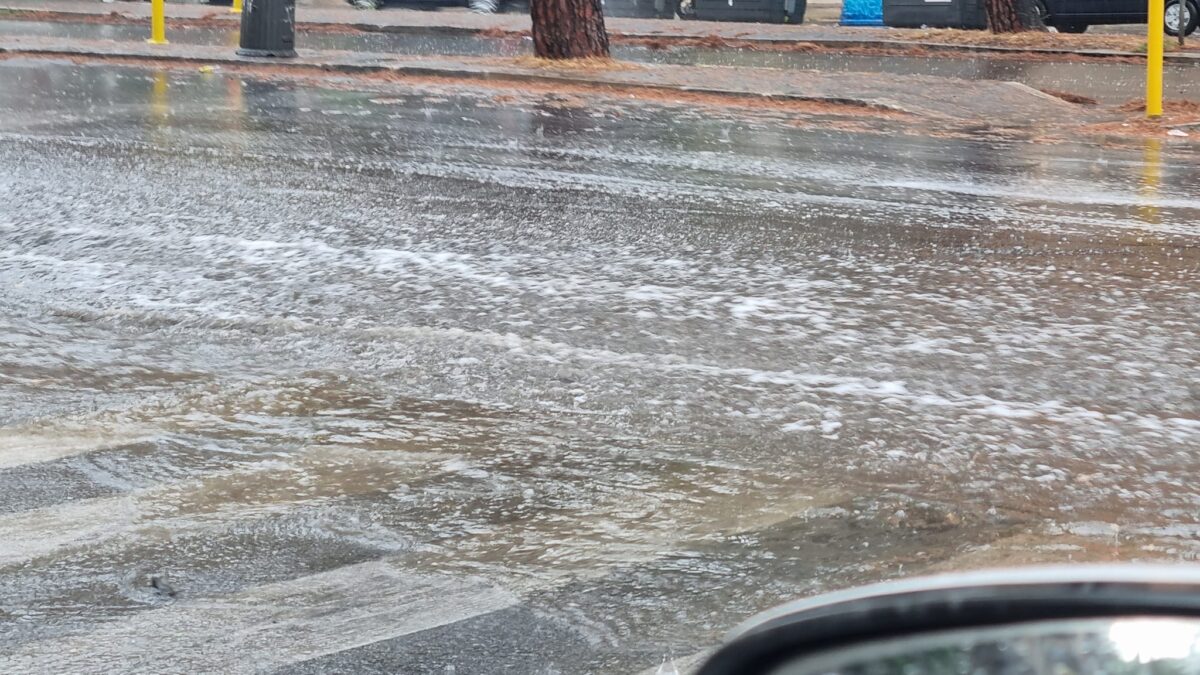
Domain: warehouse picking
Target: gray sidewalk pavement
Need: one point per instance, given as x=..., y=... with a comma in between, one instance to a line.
x=398, y=20
x=941, y=102
x=454, y=21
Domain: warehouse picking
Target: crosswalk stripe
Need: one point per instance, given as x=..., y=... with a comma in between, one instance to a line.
x=319, y=473
x=28, y=444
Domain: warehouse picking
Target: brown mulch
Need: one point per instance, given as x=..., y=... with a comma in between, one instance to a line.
x=498, y=32
x=589, y=65
x=718, y=42
x=1184, y=115
x=1173, y=108
x=877, y=49
x=1031, y=40
x=1069, y=97
x=210, y=20
x=46, y=16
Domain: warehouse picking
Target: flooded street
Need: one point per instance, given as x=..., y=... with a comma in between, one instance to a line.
x=373, y=378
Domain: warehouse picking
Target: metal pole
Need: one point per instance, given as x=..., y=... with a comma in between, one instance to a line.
x=1154, y=59
x=158, y=23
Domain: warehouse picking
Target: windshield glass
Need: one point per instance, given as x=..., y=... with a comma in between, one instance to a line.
x=1132, y=645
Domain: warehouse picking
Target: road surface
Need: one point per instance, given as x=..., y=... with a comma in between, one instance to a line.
x=309, y=377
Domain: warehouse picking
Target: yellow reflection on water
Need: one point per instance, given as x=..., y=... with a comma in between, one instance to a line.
x=1151, y=179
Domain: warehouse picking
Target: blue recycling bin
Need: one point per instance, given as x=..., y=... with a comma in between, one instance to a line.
x=862, y=13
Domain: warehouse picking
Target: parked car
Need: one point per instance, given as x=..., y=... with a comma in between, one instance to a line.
x=481, y=6
x=1074, y=16
x=1066, y=16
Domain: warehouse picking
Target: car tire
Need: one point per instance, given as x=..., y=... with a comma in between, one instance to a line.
x=1043, y=13
x=1072, y=27
x=1193, y=17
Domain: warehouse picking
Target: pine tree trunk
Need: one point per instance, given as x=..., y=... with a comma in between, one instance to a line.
x=568, y=29
x=1014, y=16
x=1003, y=16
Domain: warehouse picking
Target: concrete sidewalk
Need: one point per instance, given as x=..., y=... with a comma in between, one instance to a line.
x=940, y=102
x=401, y=20
x=396, y=20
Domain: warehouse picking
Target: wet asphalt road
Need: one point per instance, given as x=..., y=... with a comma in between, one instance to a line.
x=299, y=379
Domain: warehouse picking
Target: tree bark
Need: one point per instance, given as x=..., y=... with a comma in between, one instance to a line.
x=568, y=29
x=1012, y=16
x=1179, y=25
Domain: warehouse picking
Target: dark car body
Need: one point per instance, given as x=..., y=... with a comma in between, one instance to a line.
x=1068, y=16
x=1092, y=12
x=1074, y=16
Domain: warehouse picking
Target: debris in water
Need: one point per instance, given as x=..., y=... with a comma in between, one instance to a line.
x=159, y=583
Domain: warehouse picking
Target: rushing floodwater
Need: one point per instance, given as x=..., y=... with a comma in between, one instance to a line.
x=584, y=383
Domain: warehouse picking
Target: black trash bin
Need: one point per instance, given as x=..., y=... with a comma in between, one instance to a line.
x=934, y=14
x=268, y=28
x=761, y=11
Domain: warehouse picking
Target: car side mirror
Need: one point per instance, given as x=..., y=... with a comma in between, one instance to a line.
x=1057, y=621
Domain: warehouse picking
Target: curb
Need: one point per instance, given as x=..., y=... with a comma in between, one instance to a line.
x=1189, y=59
x=463, y=73
x=910, y=44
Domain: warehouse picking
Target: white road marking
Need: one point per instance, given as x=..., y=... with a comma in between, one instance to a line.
x=317, y=474
x=31, y=444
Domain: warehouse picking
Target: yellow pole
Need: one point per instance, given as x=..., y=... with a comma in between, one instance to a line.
x=1154, y=59
x=158, y=23
x=236, y=8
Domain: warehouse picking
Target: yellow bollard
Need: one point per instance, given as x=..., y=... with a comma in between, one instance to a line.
x=1154, y=59
x=158, y=23
x=236, y=8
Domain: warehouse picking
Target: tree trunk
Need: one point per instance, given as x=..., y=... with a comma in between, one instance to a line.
x=1180, y=24
x=1012, y=16
x=568, y=29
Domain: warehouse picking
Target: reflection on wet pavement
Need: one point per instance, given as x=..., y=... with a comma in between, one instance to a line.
x=622, y=373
